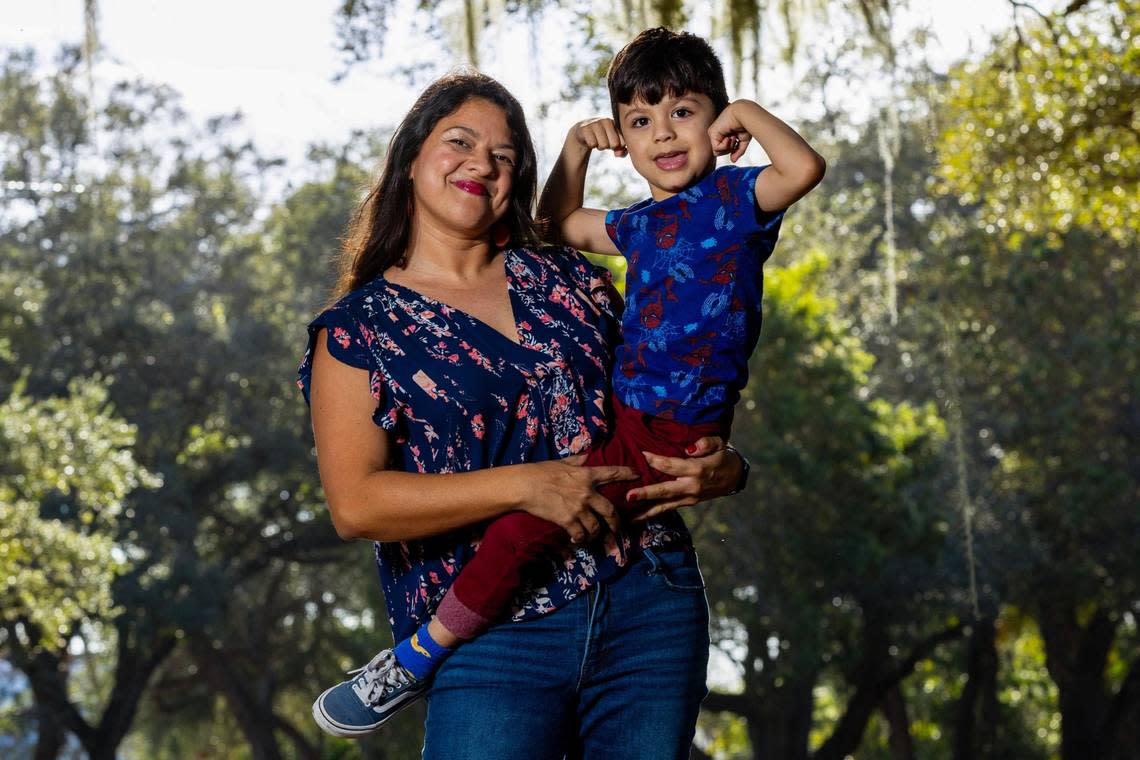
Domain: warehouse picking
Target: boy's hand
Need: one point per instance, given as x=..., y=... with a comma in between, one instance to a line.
x=599, y=134
x=728, y=134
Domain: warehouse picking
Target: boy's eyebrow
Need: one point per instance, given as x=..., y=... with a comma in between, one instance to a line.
x=476, y=135
x=631, y=109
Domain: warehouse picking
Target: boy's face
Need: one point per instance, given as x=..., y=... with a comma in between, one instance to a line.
x=669, y=142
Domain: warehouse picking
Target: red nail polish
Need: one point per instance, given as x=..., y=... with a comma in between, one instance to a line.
x=691, y=450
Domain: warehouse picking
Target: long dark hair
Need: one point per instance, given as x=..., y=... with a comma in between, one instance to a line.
x=381, y=225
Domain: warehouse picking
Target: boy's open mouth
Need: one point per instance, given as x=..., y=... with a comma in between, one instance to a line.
x=671, y=161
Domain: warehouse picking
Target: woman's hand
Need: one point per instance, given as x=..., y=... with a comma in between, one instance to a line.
x=563, y=492
x=710, y=472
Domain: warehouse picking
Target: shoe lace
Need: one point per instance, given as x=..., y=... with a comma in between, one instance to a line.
x=381, y=676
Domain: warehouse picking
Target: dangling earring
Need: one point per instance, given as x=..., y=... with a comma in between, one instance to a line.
x=500, y=235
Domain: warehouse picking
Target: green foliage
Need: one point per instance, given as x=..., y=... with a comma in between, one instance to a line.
x=1040, y=308
x=807, y=413
x=1043, y=132
x=67, y=467
x=1033, y=286
x=147, y=266
x=1025, y=685
x=1064, y=430
x=835, y=537
x=724, y=736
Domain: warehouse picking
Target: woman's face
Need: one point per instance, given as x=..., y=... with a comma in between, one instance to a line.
x=461, y=179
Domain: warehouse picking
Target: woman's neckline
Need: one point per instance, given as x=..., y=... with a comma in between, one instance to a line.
x=517, y=341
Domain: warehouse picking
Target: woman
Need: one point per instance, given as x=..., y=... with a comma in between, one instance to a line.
x=486, y=364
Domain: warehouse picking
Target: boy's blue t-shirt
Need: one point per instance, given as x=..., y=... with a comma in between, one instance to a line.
x=693, y=290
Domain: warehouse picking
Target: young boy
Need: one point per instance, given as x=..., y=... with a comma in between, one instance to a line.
x=692, y=316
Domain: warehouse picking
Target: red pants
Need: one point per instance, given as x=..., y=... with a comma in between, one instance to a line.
x=487, y=584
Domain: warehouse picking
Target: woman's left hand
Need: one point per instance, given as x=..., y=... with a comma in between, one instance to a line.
x=709, y=472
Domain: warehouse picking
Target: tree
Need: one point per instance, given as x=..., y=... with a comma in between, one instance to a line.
x=142, y=238
x=1045, y=340
x=1044, y=327
x=833, y=552
x=67, y=468
x=1045, y=134
x=600, y=29
x=138, y=237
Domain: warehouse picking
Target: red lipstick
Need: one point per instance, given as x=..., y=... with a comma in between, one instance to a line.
x=470, y=186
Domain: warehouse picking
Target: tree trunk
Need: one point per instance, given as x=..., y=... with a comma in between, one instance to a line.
x=894, y=710
x=779, y=730
x=777, y=722
x=1121, y=732
x=305, y=749
x=877, y=674
x=254, y=716
x=47, y=673
x=135, y=664
x=769, y=738
x=800, y=716
x=50, y=734
x=1076, y=657
x=975, y=730
x=848, y=733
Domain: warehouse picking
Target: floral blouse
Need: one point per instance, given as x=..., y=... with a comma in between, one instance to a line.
x=456, y=395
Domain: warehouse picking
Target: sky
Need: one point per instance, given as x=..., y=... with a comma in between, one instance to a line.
x=277, y=66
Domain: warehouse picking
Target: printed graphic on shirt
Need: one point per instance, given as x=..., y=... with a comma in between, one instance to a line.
x=693, y=291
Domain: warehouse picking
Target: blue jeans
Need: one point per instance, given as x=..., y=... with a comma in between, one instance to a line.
x=619, y=672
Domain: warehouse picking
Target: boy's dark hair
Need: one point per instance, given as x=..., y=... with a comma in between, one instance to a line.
x=660, y=62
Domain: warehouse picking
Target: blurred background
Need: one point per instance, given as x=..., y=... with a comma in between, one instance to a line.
x=938, y=554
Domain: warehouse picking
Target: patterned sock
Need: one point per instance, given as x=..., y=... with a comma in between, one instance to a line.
x=420, y=654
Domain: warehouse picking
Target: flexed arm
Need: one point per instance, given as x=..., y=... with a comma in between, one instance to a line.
x=796, y=168
x=561, y=204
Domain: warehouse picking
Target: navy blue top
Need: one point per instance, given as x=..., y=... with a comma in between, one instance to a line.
x=454, y=394
x=693, y=290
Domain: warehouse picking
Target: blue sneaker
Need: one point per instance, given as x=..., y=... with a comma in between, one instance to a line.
x=360, y=706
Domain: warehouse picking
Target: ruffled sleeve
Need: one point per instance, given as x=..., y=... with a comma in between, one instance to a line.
x=349, y=340
x=592, y=279
x=603, y=292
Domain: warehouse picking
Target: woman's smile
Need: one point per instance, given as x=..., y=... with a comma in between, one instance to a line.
x=471, y=186
x=470, y=150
